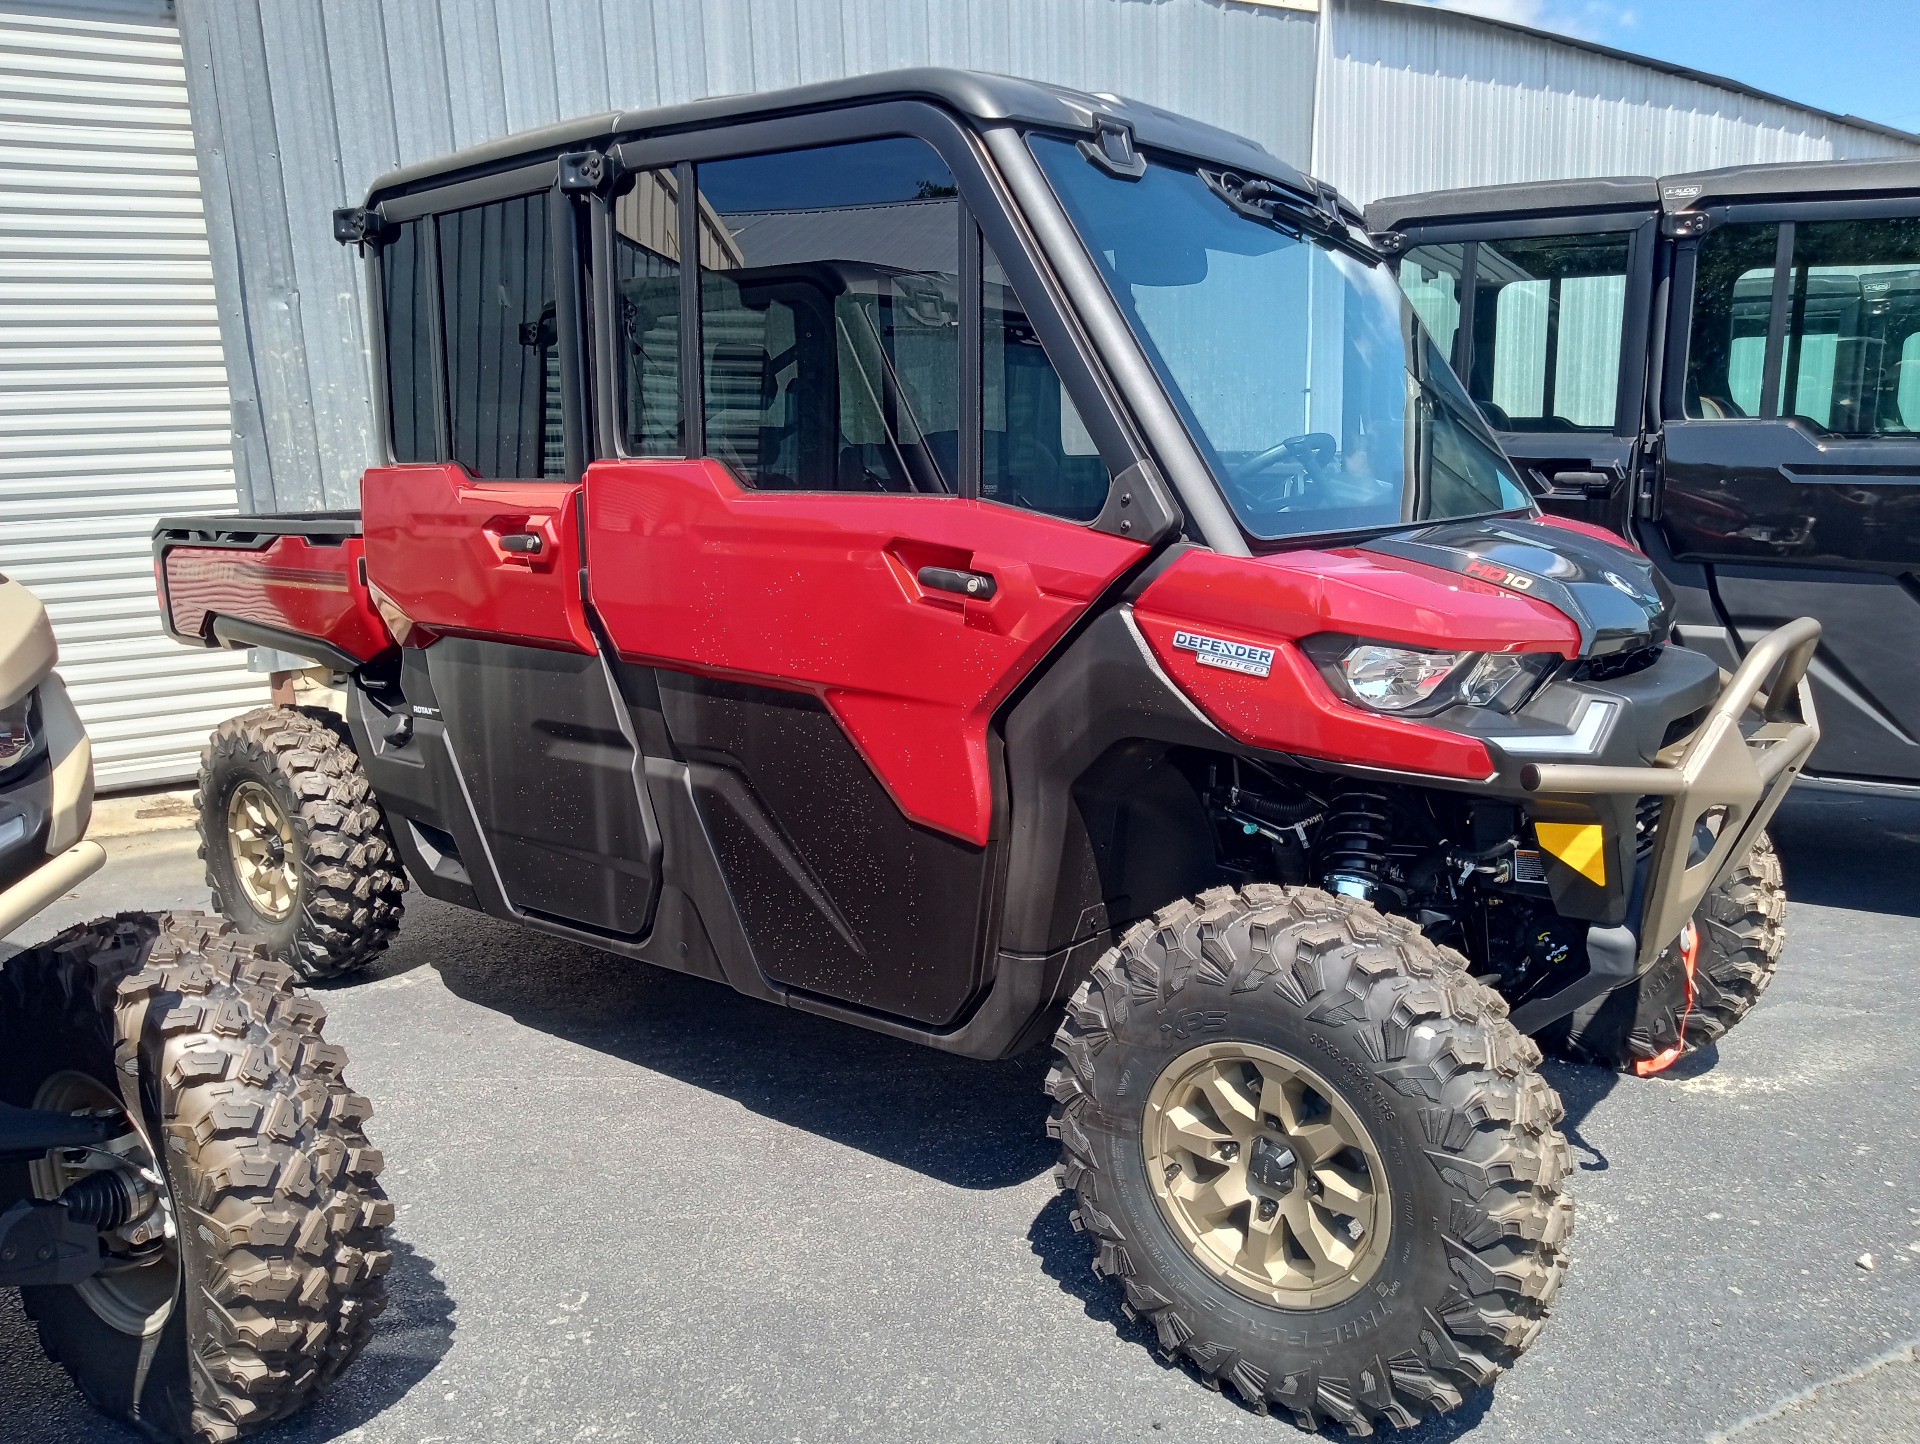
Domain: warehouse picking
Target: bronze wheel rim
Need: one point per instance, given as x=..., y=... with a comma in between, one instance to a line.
x=1266, y=1175
x=260, y=841
x=139, y=1278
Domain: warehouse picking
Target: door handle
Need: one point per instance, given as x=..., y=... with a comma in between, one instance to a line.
x=977, y=585
x=524, y=543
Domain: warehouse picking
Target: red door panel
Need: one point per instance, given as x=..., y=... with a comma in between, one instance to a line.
x=436, y=550
x=819, y=592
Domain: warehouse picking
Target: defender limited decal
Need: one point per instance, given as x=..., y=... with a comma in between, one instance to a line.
x=1233, y=656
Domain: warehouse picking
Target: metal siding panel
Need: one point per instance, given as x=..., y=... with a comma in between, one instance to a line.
x=527, y=67
x=581, y=59
x=476, y=86
x=419, y=72
x=325, y=296
x=113, y=402
x=1420, y=100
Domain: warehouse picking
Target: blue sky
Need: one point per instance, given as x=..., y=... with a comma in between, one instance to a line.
x=1857, y=57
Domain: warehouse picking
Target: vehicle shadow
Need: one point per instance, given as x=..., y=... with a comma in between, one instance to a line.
x=1861, y=853
x=40, y=1405
x=957, y=1120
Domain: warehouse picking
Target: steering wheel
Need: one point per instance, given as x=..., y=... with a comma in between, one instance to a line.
x=1315, y=451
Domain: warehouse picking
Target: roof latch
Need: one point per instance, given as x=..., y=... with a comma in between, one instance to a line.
x=359, y=226
x=1112, y=148
x=582, y=172
x=1685, y=224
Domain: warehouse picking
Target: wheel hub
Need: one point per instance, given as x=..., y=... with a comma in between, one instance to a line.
x=260, y=841
x=134, y=1290
x=1266, y=1175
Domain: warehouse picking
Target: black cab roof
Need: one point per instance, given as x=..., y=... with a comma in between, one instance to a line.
x=1797, y=179
x=975, y=95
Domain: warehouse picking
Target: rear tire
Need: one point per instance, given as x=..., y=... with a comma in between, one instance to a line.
x=1445, y=1143
x=278, y=1247
x=323, y=886
x=1742, y=924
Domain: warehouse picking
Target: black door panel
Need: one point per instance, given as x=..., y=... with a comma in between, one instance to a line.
x=1771, y=490
x=841, y=894
x=1867, y=673
x=555, y=780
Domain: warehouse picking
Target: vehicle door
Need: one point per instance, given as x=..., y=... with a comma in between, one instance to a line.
x=859, y=482
x=1791, y=468
x=1545, y=317
x=473, y=556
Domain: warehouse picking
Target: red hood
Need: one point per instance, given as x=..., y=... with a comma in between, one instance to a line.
x=1284, y=596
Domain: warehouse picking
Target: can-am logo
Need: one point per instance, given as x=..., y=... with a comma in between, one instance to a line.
x=1233, y=656
x=1493, y=572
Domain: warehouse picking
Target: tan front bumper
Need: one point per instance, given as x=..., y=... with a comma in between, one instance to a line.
x=42, y=886
x=1731, y=772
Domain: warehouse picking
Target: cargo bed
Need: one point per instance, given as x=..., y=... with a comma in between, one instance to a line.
x=296, y=582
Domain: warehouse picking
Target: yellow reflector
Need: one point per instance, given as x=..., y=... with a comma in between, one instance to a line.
x=1580, y=845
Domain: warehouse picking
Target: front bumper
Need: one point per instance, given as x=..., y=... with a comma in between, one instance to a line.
x=1729, y=774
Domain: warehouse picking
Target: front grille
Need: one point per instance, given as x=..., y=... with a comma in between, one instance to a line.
x=1646, y=824
x=1615, y=664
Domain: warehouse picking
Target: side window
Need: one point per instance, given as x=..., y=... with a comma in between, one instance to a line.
x=1430, y=275
x=1732, y=296
x=1853, y=315
x=1548, y=318
x=1035, y=450
x=829, y=309
x=503, y=370
x=646, y=241
x=408, y=294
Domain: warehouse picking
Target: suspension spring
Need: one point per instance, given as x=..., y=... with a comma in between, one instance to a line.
x=1353, y=841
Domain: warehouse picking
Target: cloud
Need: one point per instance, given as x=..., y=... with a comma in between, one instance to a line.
x=1582, y=19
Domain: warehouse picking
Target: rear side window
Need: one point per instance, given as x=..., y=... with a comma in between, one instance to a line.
x=1549, y=314
x=1848, y=348
x=1733, y=294
x=829, y=308
x=503, y=369
x=1548, y=317
x=407, y=299
x=646, y=245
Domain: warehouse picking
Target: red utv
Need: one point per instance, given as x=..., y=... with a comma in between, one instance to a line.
x=984, y=562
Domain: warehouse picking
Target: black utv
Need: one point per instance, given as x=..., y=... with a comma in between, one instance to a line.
x=1726, y=368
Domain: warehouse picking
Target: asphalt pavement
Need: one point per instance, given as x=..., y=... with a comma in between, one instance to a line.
x=633, y=1206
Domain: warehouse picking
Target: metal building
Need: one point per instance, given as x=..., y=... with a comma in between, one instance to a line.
x=113, y=396
x=297, y=104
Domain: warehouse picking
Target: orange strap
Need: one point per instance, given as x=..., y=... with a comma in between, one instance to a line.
x=1666, y=1057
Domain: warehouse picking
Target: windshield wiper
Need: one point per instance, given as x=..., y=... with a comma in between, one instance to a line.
x=1263, y=200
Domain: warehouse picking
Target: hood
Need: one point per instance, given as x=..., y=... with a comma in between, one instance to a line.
x=27, y=652
x=1611, y=593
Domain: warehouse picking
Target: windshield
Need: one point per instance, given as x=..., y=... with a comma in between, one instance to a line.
x=1304, y=374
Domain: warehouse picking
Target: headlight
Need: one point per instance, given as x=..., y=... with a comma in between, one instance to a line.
x=1396, y=678
x=16, y=731
x=1413, y=680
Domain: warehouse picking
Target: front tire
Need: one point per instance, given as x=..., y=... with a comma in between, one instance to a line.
x=296, y=848
x=1353, y=1054
x=255, y=1278
x=1653, y=1022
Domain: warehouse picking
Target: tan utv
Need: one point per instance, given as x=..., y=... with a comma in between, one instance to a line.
x=188, y=1202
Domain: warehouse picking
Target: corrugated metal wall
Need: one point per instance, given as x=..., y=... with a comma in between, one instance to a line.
x=298, y=106
x=1417, y=99
x=113, y=398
